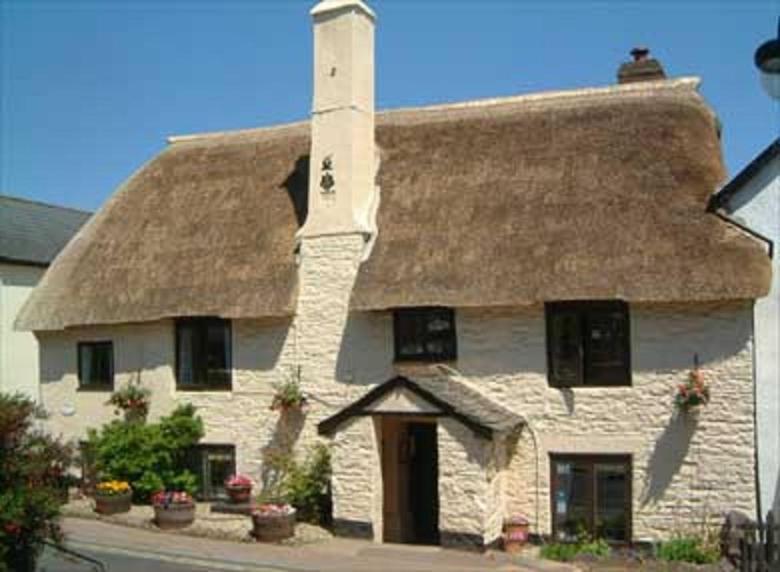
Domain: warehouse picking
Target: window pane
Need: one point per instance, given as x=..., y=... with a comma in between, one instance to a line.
x=96, y=363
x=565, y=345
x=612, y=497
x=606, y=346
x=572, y=500
x=185, y=358
x=425, y=334
x=217, y=348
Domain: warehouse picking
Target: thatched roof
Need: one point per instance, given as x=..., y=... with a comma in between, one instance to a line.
x=597, y=193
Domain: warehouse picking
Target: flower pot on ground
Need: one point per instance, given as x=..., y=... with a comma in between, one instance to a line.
x=239, y=489
x=272, y=522
x=113, y=497
x=516, y=530
x=173, y=510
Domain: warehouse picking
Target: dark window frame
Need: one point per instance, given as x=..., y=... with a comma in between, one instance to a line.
x=196, y=455
x=107, y=385
x=592, y=459
x=451, y=351
x=583, y=309
x=203, y=322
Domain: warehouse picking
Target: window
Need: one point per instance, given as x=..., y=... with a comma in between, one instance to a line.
x=588, y=343
x=425, y=334
x=212, y=465
x=592, y=494
x=96, y=366
x=203, y=354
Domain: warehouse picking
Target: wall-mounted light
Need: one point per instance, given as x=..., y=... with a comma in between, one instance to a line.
x=767, y=60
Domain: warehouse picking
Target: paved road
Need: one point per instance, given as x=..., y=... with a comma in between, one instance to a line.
x=53, y=561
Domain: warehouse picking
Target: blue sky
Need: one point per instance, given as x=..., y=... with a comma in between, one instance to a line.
x=90, y=89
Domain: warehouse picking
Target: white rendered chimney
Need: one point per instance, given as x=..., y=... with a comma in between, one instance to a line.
x=342, y=164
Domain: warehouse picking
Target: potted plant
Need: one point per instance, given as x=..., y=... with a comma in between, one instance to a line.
x=173, y=509
x=239, y=488
x=272, y=522
x=289, y=397
x=694, y=392
x=113, y=497
x=133, y=401
x=516, y=533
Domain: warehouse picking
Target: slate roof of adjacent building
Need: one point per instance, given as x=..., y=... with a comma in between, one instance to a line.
x=750, y=170
x=450, y=396
x=597, y=193
x=34, y=233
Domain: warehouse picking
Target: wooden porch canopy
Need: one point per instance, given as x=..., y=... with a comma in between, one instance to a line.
x=432, y=397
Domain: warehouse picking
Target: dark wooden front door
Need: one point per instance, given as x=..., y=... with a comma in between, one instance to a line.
x=423, y=482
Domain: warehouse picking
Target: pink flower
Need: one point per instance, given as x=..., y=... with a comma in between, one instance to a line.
x=238, y=480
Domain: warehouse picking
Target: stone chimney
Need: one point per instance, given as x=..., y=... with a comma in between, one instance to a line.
x=342, y=164
x=642, y=68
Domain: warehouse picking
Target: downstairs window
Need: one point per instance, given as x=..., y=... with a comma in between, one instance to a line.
x=212, y=465
x=591, y=494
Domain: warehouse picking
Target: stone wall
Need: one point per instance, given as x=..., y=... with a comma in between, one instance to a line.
x=681, y=469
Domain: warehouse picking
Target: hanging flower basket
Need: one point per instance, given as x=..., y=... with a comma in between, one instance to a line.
x=173, y=510
x=273, y=522
x=239, y=489
x=695, y=392
x=289, y=397
x=113, y=497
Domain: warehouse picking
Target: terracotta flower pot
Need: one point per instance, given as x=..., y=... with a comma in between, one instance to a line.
x=273, y=528
x=113, y=504
x=239, y=494
x=174, y=515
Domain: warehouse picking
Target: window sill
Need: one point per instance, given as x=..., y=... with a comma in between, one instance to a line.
x=205, y=389
x=95, y=389
x=591, y=386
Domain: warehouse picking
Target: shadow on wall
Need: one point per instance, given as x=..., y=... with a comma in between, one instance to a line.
x=280, y=447
x=297, y=187
x=366, y=351
x=667, y=457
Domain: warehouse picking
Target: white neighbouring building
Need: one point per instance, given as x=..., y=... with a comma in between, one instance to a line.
x=31, y=235
x=752, y=198
x=489, y=305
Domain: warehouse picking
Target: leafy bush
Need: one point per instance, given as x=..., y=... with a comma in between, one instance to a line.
x=688, y=549
x=150, y=456
x=306, y=485
x=564, y=552
x=32, y=466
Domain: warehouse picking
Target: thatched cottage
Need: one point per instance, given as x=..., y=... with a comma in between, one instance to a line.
x=490, y=305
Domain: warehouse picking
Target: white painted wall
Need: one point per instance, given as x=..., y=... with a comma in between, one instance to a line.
x=757, y=205
x=18, y=350
x=683, y=469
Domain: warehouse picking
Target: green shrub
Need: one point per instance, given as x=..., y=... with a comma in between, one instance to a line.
x=564, y=552
x=306, y=485
x=559, y=551
x=150, y=456
x=688, y=549
x=32, y=477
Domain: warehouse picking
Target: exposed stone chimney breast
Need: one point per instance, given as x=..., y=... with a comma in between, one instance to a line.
x=342, y=162
x=641, y=68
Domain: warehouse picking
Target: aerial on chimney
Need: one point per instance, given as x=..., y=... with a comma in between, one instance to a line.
x=642, y=68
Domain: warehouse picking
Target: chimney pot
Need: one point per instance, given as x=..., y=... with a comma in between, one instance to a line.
x=641, y=68
x=640, y=53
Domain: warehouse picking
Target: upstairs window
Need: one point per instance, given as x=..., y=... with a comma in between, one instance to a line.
x=425, y=334
x=588, y=343
x=203, y=358
x=96, y=366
